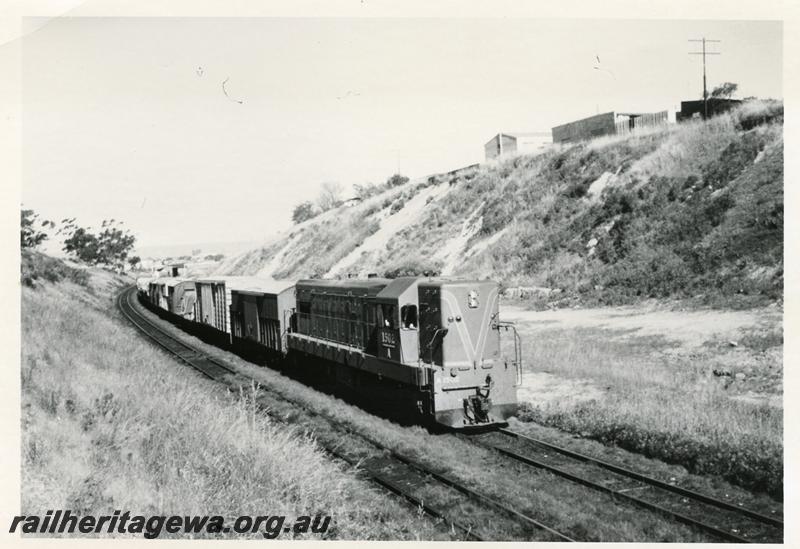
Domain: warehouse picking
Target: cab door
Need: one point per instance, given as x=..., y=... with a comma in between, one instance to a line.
x=409, y=333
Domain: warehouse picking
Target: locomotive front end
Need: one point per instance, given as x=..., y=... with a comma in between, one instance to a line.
x=474, y=385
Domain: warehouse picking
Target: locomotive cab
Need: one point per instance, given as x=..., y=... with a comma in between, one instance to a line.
x=398, y=325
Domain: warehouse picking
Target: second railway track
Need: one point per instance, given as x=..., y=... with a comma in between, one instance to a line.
x=394, y=472
x=723, y=520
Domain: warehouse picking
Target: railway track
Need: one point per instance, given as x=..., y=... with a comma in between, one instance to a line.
x=723, y=520
x=392, y=471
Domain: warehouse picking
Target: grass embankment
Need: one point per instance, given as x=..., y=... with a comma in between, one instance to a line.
x=37, y=268
x=678, y=405
x=108, y=422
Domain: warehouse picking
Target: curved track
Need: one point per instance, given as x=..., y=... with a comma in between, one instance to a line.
x=721, y=519
x=391, y=470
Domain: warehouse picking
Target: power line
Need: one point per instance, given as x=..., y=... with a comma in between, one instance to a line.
x=704, y=53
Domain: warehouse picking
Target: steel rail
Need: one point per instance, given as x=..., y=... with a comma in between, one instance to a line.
x=680, y=517
x=427, y=471
x=153, y=332
x=714, y=502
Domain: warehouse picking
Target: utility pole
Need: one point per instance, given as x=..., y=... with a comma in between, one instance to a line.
x=705, y=88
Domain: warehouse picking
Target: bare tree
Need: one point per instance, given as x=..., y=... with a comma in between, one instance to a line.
x=330, y=196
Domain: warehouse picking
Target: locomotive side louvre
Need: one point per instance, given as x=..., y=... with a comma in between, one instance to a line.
x=342, y=314
x=344, y=322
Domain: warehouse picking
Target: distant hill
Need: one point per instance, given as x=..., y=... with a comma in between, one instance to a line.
x=687, y=211
x=207, y=248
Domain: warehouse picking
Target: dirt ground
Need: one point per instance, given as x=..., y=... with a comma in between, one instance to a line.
x=741, y=349
x=688, y=329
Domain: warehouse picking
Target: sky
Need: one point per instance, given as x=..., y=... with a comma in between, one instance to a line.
x=128, y=118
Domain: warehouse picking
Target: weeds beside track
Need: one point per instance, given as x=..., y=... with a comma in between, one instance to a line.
x=719, y=518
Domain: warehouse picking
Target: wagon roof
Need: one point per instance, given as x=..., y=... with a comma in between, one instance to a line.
x=344, y=284
x=257, y=284
x=170, y=281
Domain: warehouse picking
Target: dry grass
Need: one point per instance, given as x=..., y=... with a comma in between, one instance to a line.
x=667, y=404
x=111, y=423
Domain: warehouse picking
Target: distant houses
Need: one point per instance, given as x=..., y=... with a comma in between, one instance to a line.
x=696, y=109
x=514, y=143
x=608, y=123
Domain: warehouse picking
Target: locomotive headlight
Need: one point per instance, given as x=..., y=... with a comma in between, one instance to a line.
x=472, y=299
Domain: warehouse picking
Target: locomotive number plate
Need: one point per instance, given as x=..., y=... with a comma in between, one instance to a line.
x=388, y=339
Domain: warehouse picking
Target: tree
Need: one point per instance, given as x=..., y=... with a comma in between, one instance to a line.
x=396, y=180
x=303, y=212
x=724, y=90
x=83, y=246
x=133, y=261
x=330, y=196
x=30, y=236
x=110, y=247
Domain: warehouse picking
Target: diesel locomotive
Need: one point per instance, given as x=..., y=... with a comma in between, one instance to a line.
x=427, y=346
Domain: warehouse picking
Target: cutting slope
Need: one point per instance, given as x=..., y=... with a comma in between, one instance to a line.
x=694, y=210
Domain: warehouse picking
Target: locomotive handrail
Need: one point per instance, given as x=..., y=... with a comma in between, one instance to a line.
x=433, y=340
x=497, y=325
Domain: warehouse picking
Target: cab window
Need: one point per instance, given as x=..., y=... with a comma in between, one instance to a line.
x=388, y=316
x=408, y=317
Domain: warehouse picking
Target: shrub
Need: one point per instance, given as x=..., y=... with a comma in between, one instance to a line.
x=398, y=205
x=414, y=266
x=304, y=211
x=396, y=180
